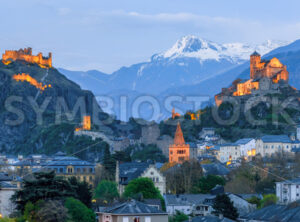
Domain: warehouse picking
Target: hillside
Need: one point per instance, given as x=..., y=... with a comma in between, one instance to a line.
x=21, y=129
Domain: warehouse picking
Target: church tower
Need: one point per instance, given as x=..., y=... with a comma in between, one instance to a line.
x=254, y=64
x=179, y=151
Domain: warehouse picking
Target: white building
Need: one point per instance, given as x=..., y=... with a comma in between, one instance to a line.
x=6, y=192
x=197, y=204
x=288, y=191
x=126, y=172
x=229, y=152
x=246, y=146
x=270, y=144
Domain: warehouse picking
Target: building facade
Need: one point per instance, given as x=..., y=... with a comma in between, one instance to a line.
x=68, y=166
x=132, y=211
x=179, y=151
x=126, y=172
x=288, y=191
x=268, y=145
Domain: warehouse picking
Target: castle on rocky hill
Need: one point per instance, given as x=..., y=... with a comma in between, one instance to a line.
x=265, y=77
x=26, y=55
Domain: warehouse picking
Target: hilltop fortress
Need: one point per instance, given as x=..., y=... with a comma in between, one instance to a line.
x=26, y=55
x=265, y=77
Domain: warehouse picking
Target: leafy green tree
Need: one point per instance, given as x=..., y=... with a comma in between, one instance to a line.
x=178, y=217
x=108, y=161
x=83, y=191
x=207, y=183
x=223, y=205
x=143, y=188
x=267, y=200
x=78, y=212
x=122, y=156
x=43, y=186
x=254, y=200
x=106, y=191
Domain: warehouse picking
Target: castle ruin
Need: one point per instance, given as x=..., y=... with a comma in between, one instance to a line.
x=26, y=55
x=265, y=77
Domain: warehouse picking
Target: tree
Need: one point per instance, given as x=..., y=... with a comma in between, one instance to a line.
x=267, y=200
x=183, y=178
x=149, y=152
x=106, y=191
x=82, y=190
x=254, y=200
x=51, y=211
x=207, y=183
x=178, y=217
x=223, y=205
x=121, y=156
x=43, y=186
x=142, y=186
x=108, y=162
x=78, y=212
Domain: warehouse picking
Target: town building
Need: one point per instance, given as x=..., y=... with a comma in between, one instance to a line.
x=179, y=151
x=196, y=204
x=69, y=166
x=131, y=211
x=7, y=189
x=288, y=191
x=202, y=204
x=125, y=172
x=247, y=147
x=229, y=152
x=268, y=145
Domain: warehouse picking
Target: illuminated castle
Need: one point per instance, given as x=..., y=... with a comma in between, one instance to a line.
x=86, y=124
x=26, y=55
x=174, y=114
x=265, y=75
x=179, y=151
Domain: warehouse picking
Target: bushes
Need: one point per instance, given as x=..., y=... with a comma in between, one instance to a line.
x=78, y=212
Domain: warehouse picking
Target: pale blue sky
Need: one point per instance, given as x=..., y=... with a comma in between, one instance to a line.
x=108, y=34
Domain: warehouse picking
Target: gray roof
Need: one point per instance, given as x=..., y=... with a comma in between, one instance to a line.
x=188, y=199
x=210, y=219
x=243, y=141
x=132, y=207
x=68, y=161
x=5, y=177
x=215, y=169
x=276, y=138
x=293, y=181
x=131, y=170
x=7, y=185
x=283, y=213
x=255, y=54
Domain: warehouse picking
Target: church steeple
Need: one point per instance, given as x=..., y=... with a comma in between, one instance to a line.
x=179, y=139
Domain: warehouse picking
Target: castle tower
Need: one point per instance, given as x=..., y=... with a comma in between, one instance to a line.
x=86, y=125
x=254, y=62
x=179, y=151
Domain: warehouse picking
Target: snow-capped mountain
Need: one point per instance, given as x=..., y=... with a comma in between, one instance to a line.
x=195, y=47
x=190, y=61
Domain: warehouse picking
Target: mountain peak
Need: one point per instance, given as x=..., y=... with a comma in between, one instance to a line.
x=195, y=47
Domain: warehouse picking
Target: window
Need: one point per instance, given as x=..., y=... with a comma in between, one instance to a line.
x=136, y=219
x=61, y=170
x=84, y=170
x=91, y=178
x=91, y=170
x=151, y=173
x=125, y=219
x=78, y=170
x=147, y=219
